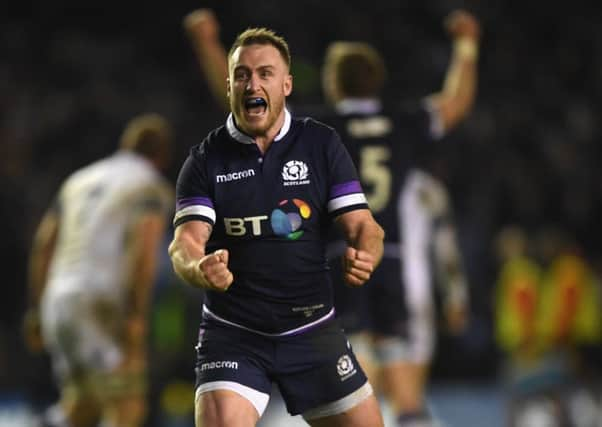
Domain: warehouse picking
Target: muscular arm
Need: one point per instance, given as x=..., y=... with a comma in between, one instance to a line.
x=187, y=252
x=365, y=245
x=42, y=250
x=203, y=30
x=457, y=96
x=146, y=235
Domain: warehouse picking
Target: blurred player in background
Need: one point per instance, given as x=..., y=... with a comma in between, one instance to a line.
x=92, y=268
x=399, y=169
x=405, y=193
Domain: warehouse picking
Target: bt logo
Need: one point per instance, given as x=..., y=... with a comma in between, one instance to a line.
x=236, y=226
x=288, y=217
x=285, y=220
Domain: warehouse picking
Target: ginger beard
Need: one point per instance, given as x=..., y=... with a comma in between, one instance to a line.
x=258, y=85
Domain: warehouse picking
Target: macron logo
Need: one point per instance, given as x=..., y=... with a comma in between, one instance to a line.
x=228, y=364
x=235, y=176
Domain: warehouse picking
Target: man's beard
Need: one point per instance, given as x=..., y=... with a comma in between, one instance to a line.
x=273, y=112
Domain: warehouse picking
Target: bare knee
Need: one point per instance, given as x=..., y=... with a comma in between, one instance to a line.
x=224, y=408
x=405, y=384
x=365, y=414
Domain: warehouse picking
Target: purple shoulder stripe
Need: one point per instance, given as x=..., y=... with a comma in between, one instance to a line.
x=345, y=188
x=193, y=201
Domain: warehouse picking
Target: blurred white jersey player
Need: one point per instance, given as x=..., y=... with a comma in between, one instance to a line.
x=431, y=262
x=92, y=269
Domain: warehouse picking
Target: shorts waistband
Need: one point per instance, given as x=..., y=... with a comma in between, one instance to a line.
x=299, y=330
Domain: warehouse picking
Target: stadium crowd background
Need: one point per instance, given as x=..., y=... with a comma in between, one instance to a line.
x=72, y=73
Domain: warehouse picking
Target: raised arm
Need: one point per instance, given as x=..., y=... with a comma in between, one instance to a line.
x=364, y=245
x=187, y=252
x=457, y=96
x=42, y=250
x=203, y=30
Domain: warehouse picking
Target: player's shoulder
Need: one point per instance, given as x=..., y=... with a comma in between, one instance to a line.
x=315, y=130
x=405, y=111
x=212, y=142
x=85, y=173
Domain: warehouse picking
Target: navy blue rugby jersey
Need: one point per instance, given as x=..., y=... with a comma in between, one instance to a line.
x=273, y=212
x=385, y=145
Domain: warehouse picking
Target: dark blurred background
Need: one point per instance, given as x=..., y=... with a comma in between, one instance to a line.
x=72, y=73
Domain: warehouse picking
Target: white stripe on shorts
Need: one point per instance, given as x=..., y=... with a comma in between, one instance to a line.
x=258, y=399
x=341, y=405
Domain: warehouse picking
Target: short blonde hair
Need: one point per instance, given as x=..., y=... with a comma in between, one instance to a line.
x=261, y=36
x=357, y=69
x=148, y=134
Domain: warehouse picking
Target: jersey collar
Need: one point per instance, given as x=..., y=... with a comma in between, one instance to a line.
x=246, y=139
x=358, y=106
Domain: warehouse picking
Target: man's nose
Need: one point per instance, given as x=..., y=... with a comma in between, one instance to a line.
x=252, y=83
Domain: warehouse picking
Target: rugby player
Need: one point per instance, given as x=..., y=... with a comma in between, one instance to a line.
x=255, y=201
x=391, y=321
x=92, y=268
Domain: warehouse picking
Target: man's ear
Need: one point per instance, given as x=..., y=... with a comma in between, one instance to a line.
x=288, y=85
x=228, y=87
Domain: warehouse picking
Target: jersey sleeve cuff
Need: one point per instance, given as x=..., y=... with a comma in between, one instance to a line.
x=194, y=209
x=346, y=197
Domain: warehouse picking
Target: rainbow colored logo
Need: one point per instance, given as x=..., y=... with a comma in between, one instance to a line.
x=287, y=218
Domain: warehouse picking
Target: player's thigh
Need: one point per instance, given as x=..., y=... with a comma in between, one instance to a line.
x=363, y=348
x=224, y=408
x=80, y=342
x=231, y=365
x=365, y=414
x=318, y=373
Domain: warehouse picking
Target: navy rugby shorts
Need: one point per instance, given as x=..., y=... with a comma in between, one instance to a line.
x=378, y=306
x=312, y=369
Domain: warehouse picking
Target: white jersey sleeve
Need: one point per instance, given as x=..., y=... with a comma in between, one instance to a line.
x=431, y=255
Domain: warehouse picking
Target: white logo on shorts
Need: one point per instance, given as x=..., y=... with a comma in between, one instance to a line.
x=345, y=367
x=220, y=364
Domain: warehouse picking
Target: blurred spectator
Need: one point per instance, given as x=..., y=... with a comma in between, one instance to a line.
x=548, y=306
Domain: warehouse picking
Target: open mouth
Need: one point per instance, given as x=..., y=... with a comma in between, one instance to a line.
x=255, y=106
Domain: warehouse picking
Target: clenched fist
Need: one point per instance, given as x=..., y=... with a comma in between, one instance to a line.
x=214, y=272
x=461, y=23
x=358, y=266
x=202, y=24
